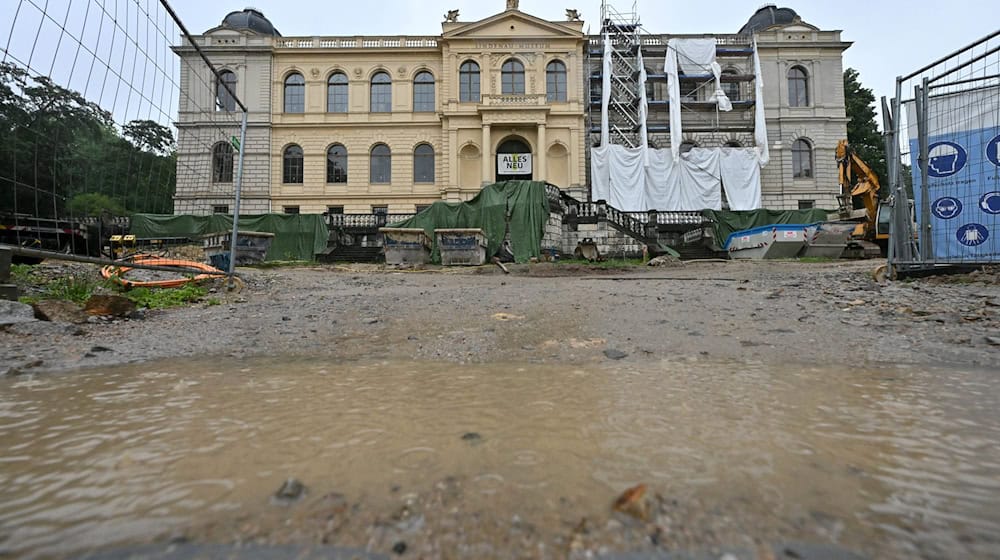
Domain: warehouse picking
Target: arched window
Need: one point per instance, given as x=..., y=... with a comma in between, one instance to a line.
x=512, y=78
x=468, y=82
x=381, y=96
x=381, y=164
x=224, y=101
x=423, y=92
x=295, y=93
x=731, y=88
x=291, y=165
x=732, y=144
x=336, y=93
x=555, y=81
x=336, y=164
x=687, y=146
x=798, y=87
x=423, y=164
x=222, y=163
x=802, y=159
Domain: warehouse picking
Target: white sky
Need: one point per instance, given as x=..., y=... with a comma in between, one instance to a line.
x=891, y=37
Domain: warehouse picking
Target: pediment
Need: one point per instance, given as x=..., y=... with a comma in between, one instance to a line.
x=524, y=25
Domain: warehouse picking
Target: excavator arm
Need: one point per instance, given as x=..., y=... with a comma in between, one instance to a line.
x=859, y=189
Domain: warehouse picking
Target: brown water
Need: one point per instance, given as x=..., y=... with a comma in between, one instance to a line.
x=893, y=462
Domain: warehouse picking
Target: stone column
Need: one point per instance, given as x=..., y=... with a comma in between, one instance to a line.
x=487, y=153
x=540, y=171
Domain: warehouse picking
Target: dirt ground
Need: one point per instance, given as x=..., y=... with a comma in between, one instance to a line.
x=833, y=313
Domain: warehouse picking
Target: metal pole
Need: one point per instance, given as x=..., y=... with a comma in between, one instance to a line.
x=201, y=53
x=923, y=112
x=236, y=205
x=891, y=160
x=902, y=223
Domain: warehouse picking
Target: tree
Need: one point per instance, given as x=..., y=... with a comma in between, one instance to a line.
x=55, y=146
x=862, y=129
x=149, y=136
x=94, y=204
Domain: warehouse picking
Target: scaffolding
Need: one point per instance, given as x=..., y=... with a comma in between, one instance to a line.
x=704, y=124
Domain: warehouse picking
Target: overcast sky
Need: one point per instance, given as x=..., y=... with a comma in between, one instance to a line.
x=891, y=37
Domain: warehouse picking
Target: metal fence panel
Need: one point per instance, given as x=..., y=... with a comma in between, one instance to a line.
x=944, y=157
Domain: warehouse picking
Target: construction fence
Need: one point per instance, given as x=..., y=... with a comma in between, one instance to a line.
x=942, y=138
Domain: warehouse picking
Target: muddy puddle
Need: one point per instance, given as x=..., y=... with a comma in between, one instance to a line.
x=502, y=460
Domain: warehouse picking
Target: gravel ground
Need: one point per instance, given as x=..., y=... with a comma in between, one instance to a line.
x=767, y=312
x=833, y=313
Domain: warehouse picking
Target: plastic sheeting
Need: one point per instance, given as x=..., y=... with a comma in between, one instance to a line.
x=674, y=101
x=692, y=182
x=606, y=72
x=525, y=201
x=296, y=236
x=760, y=121
x=740, y=171
x=694, y=56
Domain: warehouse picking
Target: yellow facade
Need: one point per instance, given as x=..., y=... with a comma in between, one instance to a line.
x=460, y=132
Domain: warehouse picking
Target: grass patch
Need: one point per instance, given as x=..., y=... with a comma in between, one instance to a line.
x=160, y=298
x=75, y=288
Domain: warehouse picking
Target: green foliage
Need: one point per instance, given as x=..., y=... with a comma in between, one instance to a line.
x=55, y=145
x=862, y=130
x=76, y=288
x=94, y=204
x=158, y=298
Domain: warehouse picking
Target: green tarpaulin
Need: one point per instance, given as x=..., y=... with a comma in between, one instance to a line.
x=726, y=222
x=296, y=236
x=523, y=200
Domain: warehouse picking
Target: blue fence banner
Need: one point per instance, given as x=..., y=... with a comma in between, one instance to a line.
x=963, y=171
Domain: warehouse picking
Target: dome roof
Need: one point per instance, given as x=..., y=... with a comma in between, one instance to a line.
x=252, y=19
x=768, y=15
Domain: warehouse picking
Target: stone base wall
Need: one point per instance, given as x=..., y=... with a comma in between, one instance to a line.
x=611, y=243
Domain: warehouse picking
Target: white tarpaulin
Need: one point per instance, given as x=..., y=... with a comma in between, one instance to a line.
x=740, y=171
x=605, y=90
x=694, y=181
x=694, y=56
x=640, y=179
x=759, y=122
x=674, y=101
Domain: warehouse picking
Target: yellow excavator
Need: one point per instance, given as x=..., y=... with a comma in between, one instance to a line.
x=859, y=202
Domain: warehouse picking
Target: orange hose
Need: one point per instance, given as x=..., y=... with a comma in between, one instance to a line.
x=117, y=273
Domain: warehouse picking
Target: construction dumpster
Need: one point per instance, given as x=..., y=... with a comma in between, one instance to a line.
x=405, y=245
x=251, y=247
x=778, y=241
x=461, y=246
x=826, y=240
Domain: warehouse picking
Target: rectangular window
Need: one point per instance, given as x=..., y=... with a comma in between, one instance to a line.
x=807, y=204
x=381, y=210
x=334, y=210
x=220, y=209
x=423, y=97
x=291, y=209
x=421, y=207
x=381, y=98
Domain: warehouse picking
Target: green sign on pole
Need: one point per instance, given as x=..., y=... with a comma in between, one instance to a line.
x=235, y=142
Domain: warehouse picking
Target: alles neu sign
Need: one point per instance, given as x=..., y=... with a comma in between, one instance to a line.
x=513, y=164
